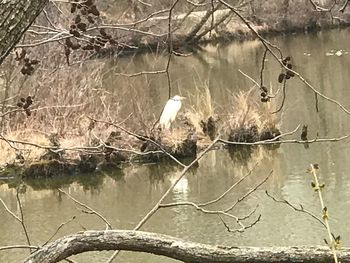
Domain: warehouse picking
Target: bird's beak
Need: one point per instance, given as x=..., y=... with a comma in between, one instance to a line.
x=182, y=98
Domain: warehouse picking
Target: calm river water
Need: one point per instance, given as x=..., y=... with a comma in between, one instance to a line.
x=125, y=196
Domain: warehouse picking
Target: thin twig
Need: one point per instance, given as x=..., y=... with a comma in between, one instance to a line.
x=240, y=230
x=316, y=140
x=230, y=188
x=22, y=219
x=58, y=229
x=19, y=247
x=108, y=225
x=249, y=192
x=301, y=209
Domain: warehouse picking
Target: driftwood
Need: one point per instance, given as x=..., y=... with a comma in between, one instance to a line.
x=177, y=249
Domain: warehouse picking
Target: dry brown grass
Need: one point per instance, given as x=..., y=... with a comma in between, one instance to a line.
x=201, y=106
x=245, y=111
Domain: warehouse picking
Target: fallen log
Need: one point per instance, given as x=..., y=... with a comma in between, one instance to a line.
x=175, y=248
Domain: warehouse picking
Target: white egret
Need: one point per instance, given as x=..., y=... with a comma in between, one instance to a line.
x=171, y=108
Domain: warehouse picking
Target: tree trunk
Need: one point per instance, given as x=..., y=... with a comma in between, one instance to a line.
x=15, y=18
x=177, y=249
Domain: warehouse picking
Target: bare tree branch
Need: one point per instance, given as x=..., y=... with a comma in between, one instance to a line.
x=177, y=249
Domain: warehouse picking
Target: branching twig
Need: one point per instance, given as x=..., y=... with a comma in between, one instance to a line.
x=240, y=230
x=230, y=188
x=58, y=229
x=301, y=209
x=92, y=211
x=283, y=98
x=248, y=193
x=22, y=219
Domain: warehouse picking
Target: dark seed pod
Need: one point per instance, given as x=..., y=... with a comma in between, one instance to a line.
x=263, y=94
x=27, y=64
x=73, y=26
x=103, y=32
x=82, y=26
x=144, y=146
x=20, y=104
x=281, y=77
x=66, y=51
x=263, y=88
x=69, y=42
x=290, y=73
x=89, y=2
x=74, y=33
x=77, y=19
x=90, y=19
x=28, y=112
x=84, y=11
x=29, y=100
x=264, y=99
x=73, y=8
x=30, y=70
x=24, y=71
x=34, y=61
x=26, y=106
x=287, y=76
x=303, y=135
x=113, y=42
x=93, y=10
x=290, y=66
x=23, y=99
x=286, y=60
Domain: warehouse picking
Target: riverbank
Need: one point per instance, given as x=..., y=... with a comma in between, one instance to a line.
x=192, y=29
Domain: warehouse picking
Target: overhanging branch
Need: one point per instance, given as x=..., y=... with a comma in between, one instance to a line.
x=176, y=248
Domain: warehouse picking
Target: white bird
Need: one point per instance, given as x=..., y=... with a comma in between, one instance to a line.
x=171, y=108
